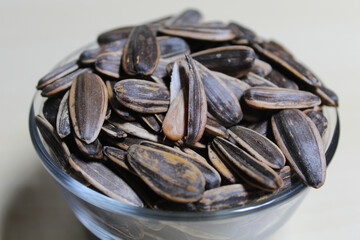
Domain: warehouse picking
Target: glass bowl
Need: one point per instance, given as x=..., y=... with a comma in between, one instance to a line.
x=110, y=219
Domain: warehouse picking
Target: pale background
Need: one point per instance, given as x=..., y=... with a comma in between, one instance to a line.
x=35, y=35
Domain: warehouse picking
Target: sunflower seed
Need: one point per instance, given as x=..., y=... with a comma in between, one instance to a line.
x=279, y=98
x=88, y=101
x=109, y=64
x=196, y=102
x=106, y=181
x=172, y=47
x=141, y=52
x=151, y=122
x=118, y=156
x=190, y=16
x=90, y=56
x=320, y=121
x=261, y=68
x=199, y=32
x=214, y=128
x=58, y=149
x=223, y=197
x=169, y=175
x=57, y=73
x=235, y=61
x=142, y=96
x=255, y=80
x=220, y=166
x=242, y=35
x=281, y=81
x=301, y=143
x=63, y=126
x=62, y=84
x=119, y=109
x=124, y=143
x=221, y=102
x=259, y=146
x=174, y=124
x=92, y=150
x=235, y=85
x=50, y=109
x=328, y=97
x=133, y=128
x=212, y=177
x=261, y=175
x=113, y=131
x=289, y=66
x=114, y=35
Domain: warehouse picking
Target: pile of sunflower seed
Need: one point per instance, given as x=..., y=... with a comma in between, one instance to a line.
x=180, y=114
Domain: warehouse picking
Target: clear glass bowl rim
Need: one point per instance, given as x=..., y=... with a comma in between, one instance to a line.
x=109, y=204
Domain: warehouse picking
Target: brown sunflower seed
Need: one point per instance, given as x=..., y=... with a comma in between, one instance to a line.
x=259, y=146
x=189, y=16
x=151, y=122
x=216, y=161
x=242, y=35
x=141, y=52
x=63, y=125
x=212, y=177
x=221, y=102
x=89, y=56
x=160, y=72
x=124, y=143
x=301, y=143
x=235, y=85
x=172, y=47
x=235, y=61
x=328, y=97
x=196, y=102
x=134, y=128
x=223, y=197
x=113, y=131
x=106, y=181
x=88, y=102
x=62, y=84
x=114, y=35
x=260, y=127
x=213, y=128
x=109, y=64
x=50, y=109
x=169, y=175
x=58, y=149
x=255, y=80
x=281, y=81
x=277, y=49
x=193, y=154
x=119, y=109
x=92, y=150
x=279, y=98
x=261, y=68
x=199, y=32
x=118, y=156
x=57, y=73
x=320, y=121
x=289, y=66
x=260, y=174
x=142, y=96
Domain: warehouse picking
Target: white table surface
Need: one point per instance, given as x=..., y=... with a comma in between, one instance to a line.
x=36, y=34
